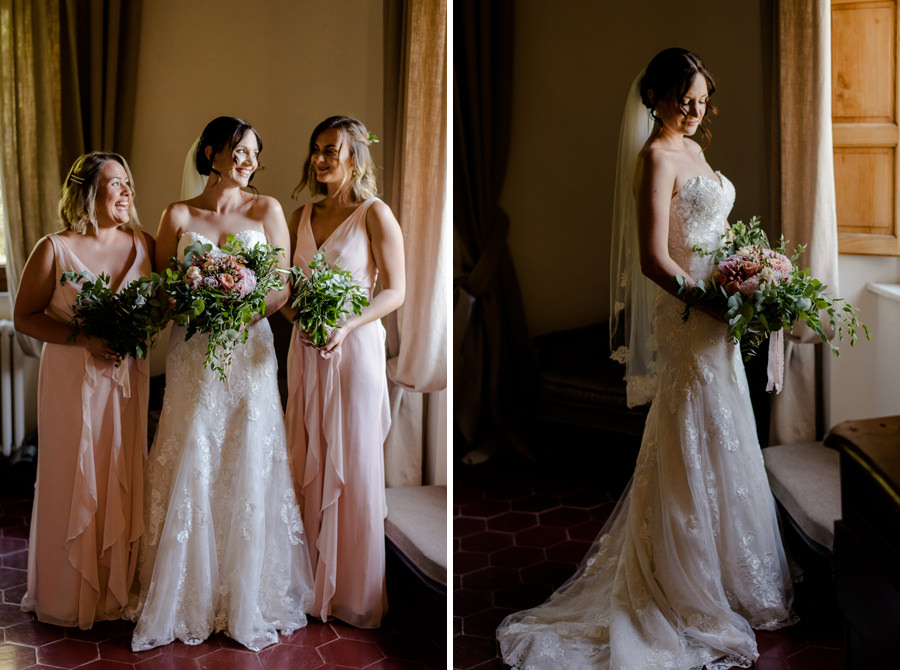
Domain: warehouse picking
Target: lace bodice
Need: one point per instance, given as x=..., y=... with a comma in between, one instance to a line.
x=248, y=237
x=698, y=216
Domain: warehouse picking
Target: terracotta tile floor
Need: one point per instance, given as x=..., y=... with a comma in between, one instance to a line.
x=413, y=637
x=520, y=529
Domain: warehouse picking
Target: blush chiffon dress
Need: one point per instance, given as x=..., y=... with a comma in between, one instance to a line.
x=92, y=421
x=337, y=420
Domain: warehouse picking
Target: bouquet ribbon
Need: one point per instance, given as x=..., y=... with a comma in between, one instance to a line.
x=775, y=368
x=122, y=378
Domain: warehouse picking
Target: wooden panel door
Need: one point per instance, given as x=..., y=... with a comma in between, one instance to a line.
x=864, y=94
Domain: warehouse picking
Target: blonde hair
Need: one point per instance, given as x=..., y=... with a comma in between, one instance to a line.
x=362, y=173
x=77, y=202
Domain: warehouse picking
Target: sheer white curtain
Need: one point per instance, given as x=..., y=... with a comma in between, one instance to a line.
x=808, y=214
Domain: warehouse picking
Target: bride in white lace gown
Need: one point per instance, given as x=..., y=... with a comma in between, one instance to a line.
x=223, y=548
x=691, y=560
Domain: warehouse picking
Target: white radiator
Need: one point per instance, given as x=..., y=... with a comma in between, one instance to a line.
x=12, y=389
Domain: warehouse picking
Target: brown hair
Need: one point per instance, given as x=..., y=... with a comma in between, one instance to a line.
x=669, y=75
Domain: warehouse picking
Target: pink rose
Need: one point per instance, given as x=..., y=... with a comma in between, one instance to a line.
x=227, y=281
x=750, y=267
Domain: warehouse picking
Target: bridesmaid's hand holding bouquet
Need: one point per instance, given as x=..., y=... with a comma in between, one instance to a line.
x=323, y=299
x=129, y=320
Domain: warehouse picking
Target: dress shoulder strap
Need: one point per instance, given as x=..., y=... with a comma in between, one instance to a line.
x=60, y=249
x=368, y=202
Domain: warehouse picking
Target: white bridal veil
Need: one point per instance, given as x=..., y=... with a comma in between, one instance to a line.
x=192, y=182
x=631, y=337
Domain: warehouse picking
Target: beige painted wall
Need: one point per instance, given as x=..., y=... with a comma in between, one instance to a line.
x=573, y=66
x=283, y=65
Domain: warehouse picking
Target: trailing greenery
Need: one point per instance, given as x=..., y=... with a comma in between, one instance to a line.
x=759, y=291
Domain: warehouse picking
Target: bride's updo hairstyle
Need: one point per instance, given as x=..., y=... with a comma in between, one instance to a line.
x=219, y=133
x=669, y=76
x=362, y=172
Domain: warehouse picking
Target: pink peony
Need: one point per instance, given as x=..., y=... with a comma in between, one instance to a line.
x=247, y=283
x=749, y=286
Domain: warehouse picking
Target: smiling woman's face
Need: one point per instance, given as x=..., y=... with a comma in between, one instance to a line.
x=240, y=163
x=113, y=201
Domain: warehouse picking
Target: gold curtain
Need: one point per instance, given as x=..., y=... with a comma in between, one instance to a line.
x=415, y=188
x=808, y=211
x=99, y=46
x=30, y=112
x=67, y=73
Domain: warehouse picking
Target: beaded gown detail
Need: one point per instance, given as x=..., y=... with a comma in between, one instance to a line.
x=691, y=560
x=224, y=546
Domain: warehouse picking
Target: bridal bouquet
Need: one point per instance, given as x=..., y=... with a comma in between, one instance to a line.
x=323, y=298
x=129, y=320
x=761, y=291
x=217, y=292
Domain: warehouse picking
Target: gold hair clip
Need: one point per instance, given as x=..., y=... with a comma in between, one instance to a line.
x=75, y=178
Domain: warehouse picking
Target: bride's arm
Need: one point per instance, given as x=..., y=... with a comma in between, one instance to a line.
x=277, y=235
x=655, y=187
x=656, y=184
x=170, y=225
x=287, y=311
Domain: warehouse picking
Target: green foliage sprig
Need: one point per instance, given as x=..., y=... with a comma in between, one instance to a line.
x=204, y=304
x=323, y=298
x=774, y=305
x=129, y=320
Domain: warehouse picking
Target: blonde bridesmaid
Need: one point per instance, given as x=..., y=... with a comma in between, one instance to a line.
x=92, y=416
x=337, y=412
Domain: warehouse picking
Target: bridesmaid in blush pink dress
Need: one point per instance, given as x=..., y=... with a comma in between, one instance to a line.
x=337, y=413
x=92, y=415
